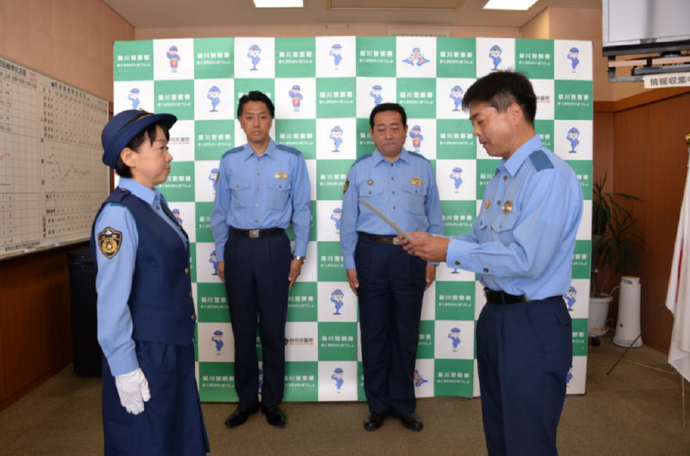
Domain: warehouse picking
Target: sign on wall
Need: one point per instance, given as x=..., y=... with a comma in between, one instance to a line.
x=324, y=89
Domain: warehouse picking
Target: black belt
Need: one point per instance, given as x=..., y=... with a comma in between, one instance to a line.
x=380, y=238
x=257, y=233
x=501, y=297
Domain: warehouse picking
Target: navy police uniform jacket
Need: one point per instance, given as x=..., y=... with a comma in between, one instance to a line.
x=161, y=309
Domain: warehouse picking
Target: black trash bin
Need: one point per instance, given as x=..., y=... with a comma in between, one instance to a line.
x=82, y=282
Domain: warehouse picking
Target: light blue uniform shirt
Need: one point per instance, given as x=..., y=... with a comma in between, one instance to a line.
x=259, y=192
x=114, y=279
x=405, y=191
x=527, y=249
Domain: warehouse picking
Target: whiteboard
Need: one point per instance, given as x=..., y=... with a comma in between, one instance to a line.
x=52, y=180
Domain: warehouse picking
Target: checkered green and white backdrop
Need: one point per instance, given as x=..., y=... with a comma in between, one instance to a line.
x=325, y=87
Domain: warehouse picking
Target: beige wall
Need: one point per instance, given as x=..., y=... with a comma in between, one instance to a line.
x=316, y=30
x=538, y=27
x=72, y=40
x=69, y=40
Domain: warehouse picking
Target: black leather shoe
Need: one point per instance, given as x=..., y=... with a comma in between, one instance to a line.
x=274, y=416
x=373, y=421
x=411, y=421
x=241, y=415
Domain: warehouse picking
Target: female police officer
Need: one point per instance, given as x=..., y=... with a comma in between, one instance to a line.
x=145, y=308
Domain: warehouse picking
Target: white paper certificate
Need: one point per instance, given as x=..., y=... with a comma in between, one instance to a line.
x=390, y=222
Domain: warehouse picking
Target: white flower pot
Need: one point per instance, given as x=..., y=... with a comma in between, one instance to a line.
x=598, y=311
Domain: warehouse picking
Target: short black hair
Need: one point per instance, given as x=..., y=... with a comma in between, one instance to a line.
x=255, y=95
x=383, y=107
x=123, y=170
x=500, y=89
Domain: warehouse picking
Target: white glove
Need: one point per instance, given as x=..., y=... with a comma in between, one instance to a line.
x=133, y=389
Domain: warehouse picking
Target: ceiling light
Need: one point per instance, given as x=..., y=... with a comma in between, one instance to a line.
x=515, y=5
x=279, y=3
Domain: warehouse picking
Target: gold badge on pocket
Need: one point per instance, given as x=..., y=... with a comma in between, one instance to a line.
x=416, y=181
x=109, y=241
x=370, y=182
x=280, y=175
x=508, y=207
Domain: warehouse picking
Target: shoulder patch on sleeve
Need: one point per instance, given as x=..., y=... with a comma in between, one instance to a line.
x=362, y=158
x=288, y=149
x=540, y=160
x=109, y=242
x=415, y=154
x=232, y=151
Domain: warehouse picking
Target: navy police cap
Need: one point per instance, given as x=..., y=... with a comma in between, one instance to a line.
x=124, y=127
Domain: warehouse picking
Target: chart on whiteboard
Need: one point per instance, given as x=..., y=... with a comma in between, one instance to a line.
x=52, y=180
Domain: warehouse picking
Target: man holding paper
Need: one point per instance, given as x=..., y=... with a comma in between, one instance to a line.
x=389, y=283
x=521, y=249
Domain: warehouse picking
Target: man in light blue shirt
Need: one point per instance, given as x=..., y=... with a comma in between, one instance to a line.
x=262, y=186
x=521, y=247
x=389, y=283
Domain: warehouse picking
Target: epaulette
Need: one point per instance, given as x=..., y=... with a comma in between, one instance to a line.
x=418, y=155
x=232, y=151
x=118, y=195
x=362, y=158
x=540, y=160
x=288, y=149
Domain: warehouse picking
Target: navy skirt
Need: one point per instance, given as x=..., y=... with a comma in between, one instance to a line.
x=172, y=422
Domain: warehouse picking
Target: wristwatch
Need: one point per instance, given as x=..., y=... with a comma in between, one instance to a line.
x=301, y=258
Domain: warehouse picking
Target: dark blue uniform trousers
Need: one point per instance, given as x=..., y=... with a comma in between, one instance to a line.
x=256, y=281
x=391, y=288
x=524, y=352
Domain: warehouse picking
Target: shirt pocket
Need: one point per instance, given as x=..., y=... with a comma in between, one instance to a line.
x=278, y=193
x=503, y=226
x=483, y=221
x=368, y=191
x=240, y=191
x=416, y=198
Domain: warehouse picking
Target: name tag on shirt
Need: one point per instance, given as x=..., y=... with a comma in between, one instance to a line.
x=280, y=175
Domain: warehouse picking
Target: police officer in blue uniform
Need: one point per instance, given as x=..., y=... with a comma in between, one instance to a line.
x=389, y=283
x=521, y=247
x=146, y=313
x=261, y=187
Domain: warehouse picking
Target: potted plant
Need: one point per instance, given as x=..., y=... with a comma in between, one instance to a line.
x=616, y=243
